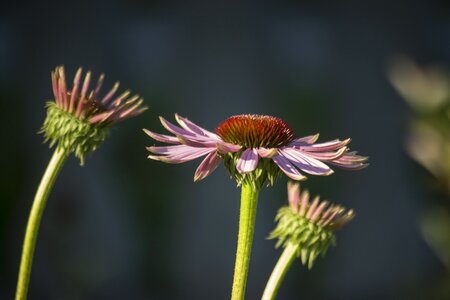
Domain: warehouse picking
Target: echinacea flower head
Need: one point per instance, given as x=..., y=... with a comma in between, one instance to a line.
x=309, y=224
x=79, y=118
x=254, y=148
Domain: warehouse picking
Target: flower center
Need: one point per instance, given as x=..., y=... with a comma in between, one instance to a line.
x=254, y=131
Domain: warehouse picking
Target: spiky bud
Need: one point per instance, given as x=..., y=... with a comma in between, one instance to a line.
x=309, y=225
x=78, y=120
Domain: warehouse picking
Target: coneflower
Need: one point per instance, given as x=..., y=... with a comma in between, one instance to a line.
x=255, y=149
x=77, y=122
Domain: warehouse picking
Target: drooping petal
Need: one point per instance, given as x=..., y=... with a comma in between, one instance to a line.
x=192, y=127
x=170, y=150
x=307, y=140
x=187, y=137
x=305, y=163
x=248, y=161
x=177, y=154
x=288, y=168
x=161, y=137
x=224, y=147
x=197, y=142
x=327, y=156
x=327, y=146
x=350, y=161
x=267, y=152
x=175, y=129
x=207, y=166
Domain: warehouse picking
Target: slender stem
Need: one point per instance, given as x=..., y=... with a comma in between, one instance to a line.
x=34, y=220
x=249, y=200
x=281, y=268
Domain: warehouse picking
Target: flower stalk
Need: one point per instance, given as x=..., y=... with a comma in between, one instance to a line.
x=284, y=262
x=249, y=201
x=34, y=220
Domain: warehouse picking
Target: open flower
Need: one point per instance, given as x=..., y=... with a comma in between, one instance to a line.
x=78, y=118
x=254, y=147
x=308, y=226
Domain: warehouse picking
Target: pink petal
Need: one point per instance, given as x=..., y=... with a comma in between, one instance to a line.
x=326, y=214
x=175, y=129
x=188, y=137
x=99, y=85
x=207, y=166
x=162, y=137
x=328, y=146
x=170, y=150
x=124, y=114
x=84, y=89
x=248, y=161
x=134, y=113
x=110, y=94
x=304, y=202
x=319, y=210
x=101, y=117
x=122, y=97
x=350, y=161
x=267, y=152
x=312, y=208
x=195, y=142
x=288, y=168
x=224, y=147
x=190, y=126
x=76, y=85
x=293, y=196
x=178, y=154
x=310, y=139
x=55, y=88
x=335, y=211
x=326, y=156
x=63, y=88
x=305, y=163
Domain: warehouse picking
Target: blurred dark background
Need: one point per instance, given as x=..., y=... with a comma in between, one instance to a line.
x=124, y=227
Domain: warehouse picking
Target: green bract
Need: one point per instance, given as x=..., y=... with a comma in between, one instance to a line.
x=71, y=133
x=312, y=239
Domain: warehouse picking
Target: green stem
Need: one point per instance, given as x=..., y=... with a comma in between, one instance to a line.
x=249, y=200
x=29, y=243
x=281, y=268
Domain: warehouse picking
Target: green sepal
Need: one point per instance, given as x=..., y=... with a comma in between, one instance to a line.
x=70, y=133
